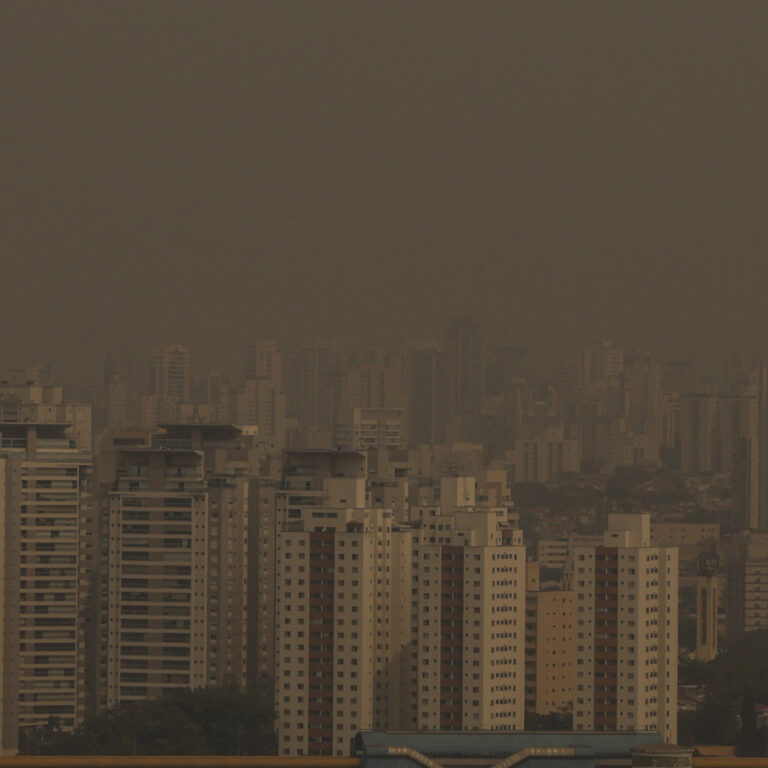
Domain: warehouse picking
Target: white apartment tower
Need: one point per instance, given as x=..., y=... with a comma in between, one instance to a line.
x=387, y=623
x=626, y=631
x=470, y=626
x=342, y=626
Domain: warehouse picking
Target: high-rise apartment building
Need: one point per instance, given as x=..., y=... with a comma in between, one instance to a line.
x=469, y=629
x=302, y=482
x=261, y=402
x=174, y=578
x=707, y=603
x=375, y=380
x=425, y=396
x=626, y=631
x=543, y=459
x=601, y=366
x=44, y=492
x=45, y=404
x=387, y=622
x=748, y=583
x=169, y=372
x=746, y=484
x=464, y=377
x=363, y=429
x=342, y=626
x=712, y=428
x=265, y=361
x=120, y=402
x=762, y=449
x=314, y=376
x=169, y=384
x=549, y=646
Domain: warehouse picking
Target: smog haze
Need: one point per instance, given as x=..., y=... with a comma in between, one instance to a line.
x=208, y=173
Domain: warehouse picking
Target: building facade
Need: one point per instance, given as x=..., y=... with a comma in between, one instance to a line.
x=626, y=631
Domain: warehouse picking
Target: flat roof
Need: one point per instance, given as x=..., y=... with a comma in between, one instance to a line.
x=478, y=744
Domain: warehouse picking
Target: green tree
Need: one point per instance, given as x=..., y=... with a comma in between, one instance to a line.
x=206, y=721
x=561, y=720
x=751, y=740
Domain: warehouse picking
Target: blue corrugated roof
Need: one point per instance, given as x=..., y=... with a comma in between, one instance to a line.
x=500, y=744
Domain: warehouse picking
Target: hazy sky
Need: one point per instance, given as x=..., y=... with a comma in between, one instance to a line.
x=209, y=172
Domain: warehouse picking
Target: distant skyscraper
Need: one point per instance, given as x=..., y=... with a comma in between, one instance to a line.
x=315, y=375
x=602, y=365
x=265, y=361
x=712, y=428
x=170, y=385
x=762, y=448
x=464, y=377
x=119, y=391
x=747, y=576
x=425, y=396
x=169, y=373
x=707, y=598
x=361, y=429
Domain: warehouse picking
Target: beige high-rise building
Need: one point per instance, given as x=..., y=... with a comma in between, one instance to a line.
x=176, y=571
x=712, y=431
x=626, y=631
x=469, y=622
x=601, y=365
x=300, y=482
x=43, y=498
x=265, y=361
x=549, y=646
x=543, y=459
x=169, y=372
x=375, y=381
x=747, y=583
x=343, y=628
x=120, y=399
x=363, y=429
x=45, y=404
x=262, y=402
x=707, y=602
x=10, y=562
x=387, y=623
x=169, y=383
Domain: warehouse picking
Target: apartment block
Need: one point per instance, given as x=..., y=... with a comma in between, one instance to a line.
x=300, y=483
x=469, y=633
x=44, y=494
x=712, y=428
x=543, y=459
x=626, y=631
x=549, y=646
x=390, y=623
x=343, y=604
x=175, y=574
x=362, y=429
x=748, y=584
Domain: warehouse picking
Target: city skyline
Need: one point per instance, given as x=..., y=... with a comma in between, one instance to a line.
x=377, y=376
